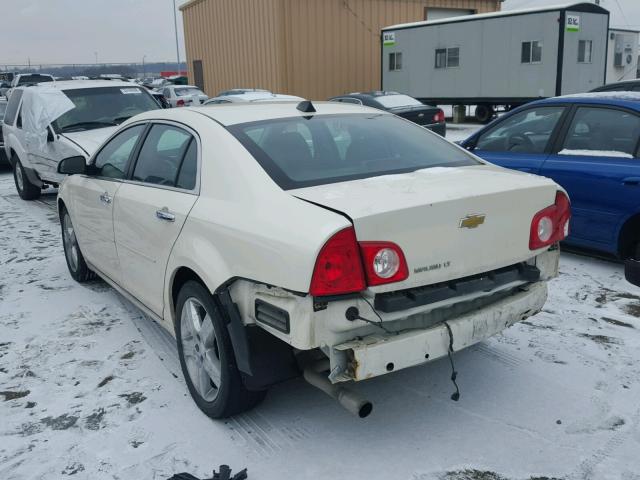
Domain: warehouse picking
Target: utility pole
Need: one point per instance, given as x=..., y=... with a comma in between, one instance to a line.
x=175, y=26
x=144, y=70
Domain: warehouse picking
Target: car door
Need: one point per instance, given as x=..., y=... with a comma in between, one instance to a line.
x=93, y=198
x=520, y=141
x=151, y=208
x=596, y=161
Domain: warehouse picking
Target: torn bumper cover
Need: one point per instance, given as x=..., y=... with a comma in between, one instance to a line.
x=378, y=354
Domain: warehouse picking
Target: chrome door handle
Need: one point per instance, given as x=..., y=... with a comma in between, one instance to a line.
x=165, y=214
x=105, y=198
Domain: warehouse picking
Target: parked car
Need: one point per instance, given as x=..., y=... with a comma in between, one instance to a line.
x=3, y=156
x=253, y=97
x=92, y=111
x=334, y=240
x=587, y=143
x=183, y=95
x=28, y=79
x=241, y=91
x=402, y=105
x=625, y=86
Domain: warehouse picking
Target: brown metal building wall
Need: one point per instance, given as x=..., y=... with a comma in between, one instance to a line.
x=238, y=41
x=311, y=48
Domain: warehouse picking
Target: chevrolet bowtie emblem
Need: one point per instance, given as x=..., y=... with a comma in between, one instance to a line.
x=472, y=221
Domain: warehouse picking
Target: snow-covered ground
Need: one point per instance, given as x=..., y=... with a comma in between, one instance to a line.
x=90, y=388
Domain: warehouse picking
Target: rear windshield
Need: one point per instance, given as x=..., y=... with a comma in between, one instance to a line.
x=34, y=79
x=181, y=92
x=103, y=107
x=395, y=101
x=298, y=152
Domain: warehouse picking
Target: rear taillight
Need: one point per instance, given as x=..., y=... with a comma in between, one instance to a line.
x=338, y=268
x=384, y=262
x=180, y=103
x=551, y=225
x=439, y=117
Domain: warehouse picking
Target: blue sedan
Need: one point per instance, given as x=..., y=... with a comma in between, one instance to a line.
x=587, y=143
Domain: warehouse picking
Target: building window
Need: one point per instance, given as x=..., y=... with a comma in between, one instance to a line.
x=395, y=61
x=447, y=57
x=585, y=48
x=531, y=52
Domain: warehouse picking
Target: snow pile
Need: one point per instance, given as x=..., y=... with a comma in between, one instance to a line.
x=626, y=96
x=595, y=153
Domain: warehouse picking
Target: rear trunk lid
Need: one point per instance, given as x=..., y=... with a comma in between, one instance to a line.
x=422, y=115
x=450, y=222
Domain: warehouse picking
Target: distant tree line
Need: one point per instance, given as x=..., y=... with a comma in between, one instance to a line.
x=94, y=70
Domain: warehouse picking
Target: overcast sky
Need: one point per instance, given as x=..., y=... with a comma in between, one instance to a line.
x=72, y=31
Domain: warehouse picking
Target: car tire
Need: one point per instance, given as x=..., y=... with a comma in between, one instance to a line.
x=26, y=189
x=484, y=113
x=75, y=260
x=206, y=356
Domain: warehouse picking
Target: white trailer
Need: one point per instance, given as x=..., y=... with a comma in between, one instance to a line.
x=498, y=59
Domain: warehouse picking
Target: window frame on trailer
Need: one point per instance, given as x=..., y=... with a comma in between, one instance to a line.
x=585, y=42
x=395, y=61
x=531, y=43
x=442, y=58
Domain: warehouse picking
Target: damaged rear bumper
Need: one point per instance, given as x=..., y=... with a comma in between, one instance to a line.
x=378, y=354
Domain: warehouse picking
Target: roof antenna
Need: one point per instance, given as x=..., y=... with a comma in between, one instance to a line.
x=306, y=106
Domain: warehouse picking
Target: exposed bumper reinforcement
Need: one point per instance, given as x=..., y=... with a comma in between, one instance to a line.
x=378, y=354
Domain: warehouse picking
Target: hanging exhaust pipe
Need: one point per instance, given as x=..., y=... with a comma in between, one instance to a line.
x=352, y=401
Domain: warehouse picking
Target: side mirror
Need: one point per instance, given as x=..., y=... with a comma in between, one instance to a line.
x=50, y=136
x=72, y=166
x=632, y=271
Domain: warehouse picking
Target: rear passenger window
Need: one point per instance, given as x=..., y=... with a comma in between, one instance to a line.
x=602, y=132
x=161, y=157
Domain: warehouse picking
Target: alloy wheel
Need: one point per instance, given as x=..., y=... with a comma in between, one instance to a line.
x=70, y=242
x=200, y=349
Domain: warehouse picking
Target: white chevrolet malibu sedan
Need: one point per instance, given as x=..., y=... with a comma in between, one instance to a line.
x=326, y=240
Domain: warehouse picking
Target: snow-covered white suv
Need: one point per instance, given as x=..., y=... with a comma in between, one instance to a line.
x=332, y=240
x=48, y=122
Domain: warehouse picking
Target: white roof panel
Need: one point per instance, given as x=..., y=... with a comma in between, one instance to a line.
x=482, y=16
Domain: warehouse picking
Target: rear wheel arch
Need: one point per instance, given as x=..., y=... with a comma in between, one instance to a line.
x=262, y=358
x=629, y=238
x=180, y=277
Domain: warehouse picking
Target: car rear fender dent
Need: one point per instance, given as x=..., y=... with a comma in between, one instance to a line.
x=211, y=270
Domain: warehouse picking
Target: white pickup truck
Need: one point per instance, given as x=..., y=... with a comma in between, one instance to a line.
x=45, y=123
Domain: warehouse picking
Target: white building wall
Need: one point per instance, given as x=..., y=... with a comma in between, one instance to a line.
x=629, y=70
